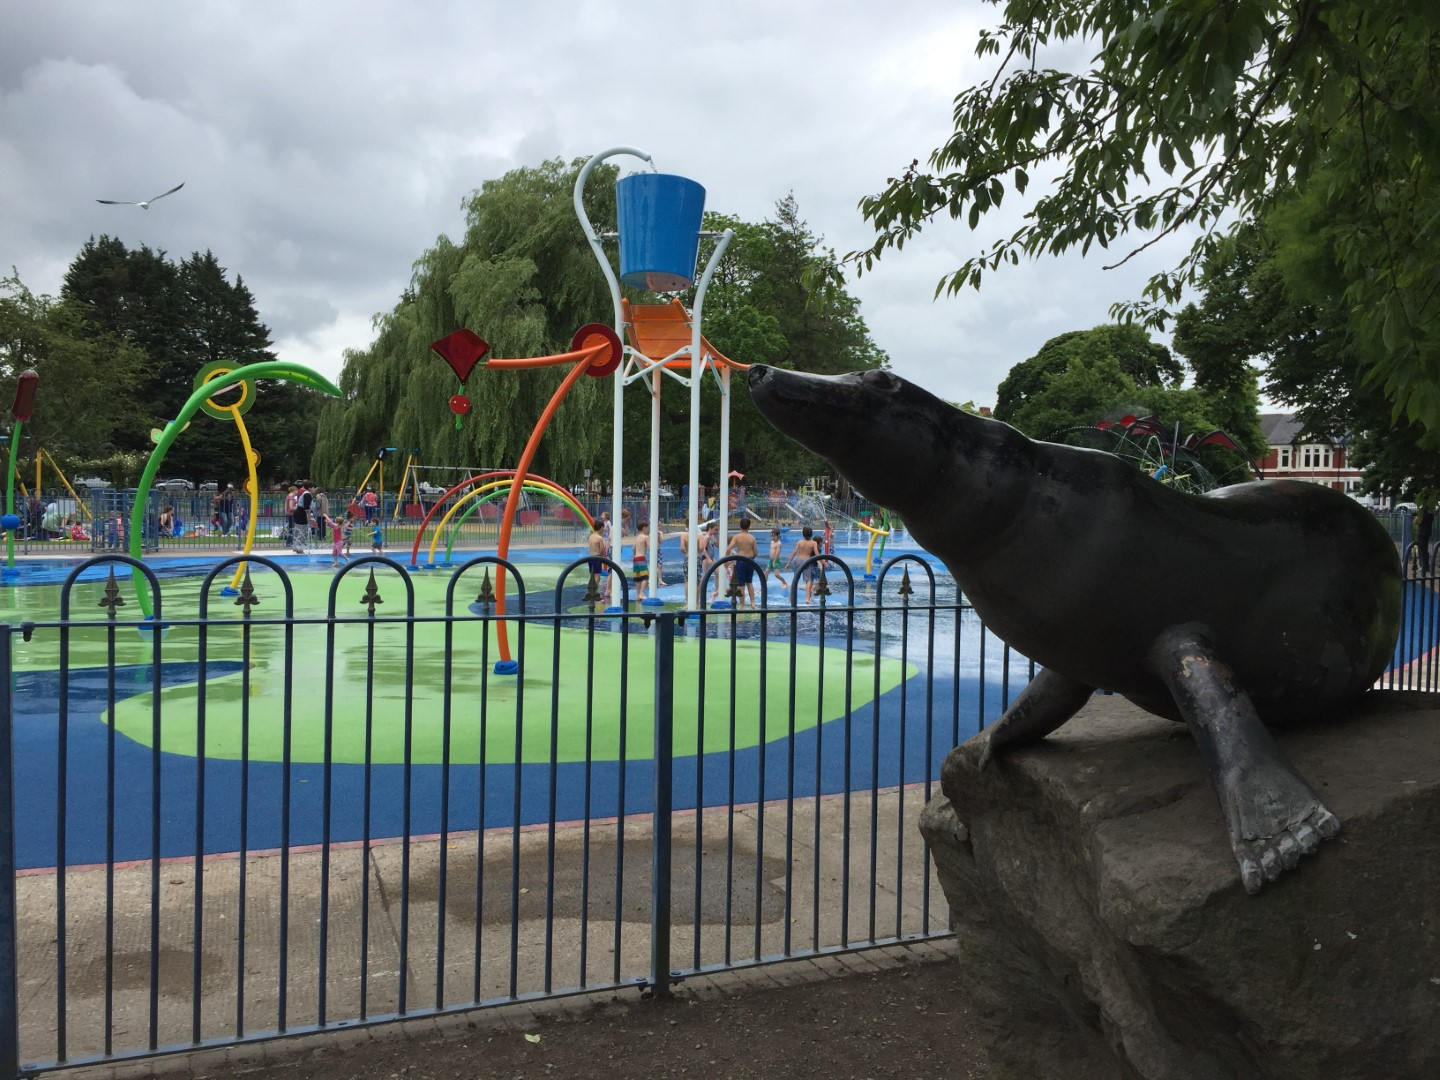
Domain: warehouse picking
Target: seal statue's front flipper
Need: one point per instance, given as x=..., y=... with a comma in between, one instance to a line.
x=1272, y=814
x=1047, y=702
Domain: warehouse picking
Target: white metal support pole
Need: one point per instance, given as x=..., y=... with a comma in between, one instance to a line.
x=652, y=552
x=618, y=413
x=724, y=501
x=697, y=372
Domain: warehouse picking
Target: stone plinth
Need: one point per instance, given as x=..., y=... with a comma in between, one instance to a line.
x=1091, y=880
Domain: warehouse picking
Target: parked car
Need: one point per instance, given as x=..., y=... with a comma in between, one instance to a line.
x=177, y=484
x=91, y=483
x=430, y=491
x=209, y=485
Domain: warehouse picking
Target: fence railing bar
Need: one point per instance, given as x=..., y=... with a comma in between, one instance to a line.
x=664, y=746
x=9, y=954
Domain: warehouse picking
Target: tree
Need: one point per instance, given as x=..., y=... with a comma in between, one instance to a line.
x=1083, y=377
x=1265, y=299
x=1194, y=116
x=524, y=278
x=1142, y=361
x=86, y=380
x=182, y=317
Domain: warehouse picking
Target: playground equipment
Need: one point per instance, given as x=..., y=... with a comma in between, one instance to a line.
x=20, y=410
x=485, y=488
x=462, y=350
x=658, y=219
x=234, y=411
x=378, y=464
x=1159, y=451
x=204, y=397
x=595, y=350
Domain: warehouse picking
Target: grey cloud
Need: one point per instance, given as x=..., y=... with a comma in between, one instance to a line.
x=325, y=146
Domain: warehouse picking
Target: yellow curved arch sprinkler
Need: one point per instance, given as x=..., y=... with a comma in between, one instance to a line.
x=235, y=410
x=205, y=397
x=472, y=500
x=875, y=534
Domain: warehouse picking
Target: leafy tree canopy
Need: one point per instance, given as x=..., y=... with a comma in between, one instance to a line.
x=1144, y=362
x=1195, y=115
x=178, y=317
x=1079, y=378
x=87, y=380
x=1264, y=301
x=524, y=278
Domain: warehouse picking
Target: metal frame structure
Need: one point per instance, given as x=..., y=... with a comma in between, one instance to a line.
x=636, y=366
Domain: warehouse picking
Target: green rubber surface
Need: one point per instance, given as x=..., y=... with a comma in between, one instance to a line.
x=605, y=683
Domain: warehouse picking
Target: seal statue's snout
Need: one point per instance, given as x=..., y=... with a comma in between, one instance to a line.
x=758, y=374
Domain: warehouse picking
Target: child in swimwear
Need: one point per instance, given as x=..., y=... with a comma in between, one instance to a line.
x=347, y=531
x=337, y=540
x=772, y=566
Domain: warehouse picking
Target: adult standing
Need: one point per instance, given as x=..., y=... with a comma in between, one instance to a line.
x=225, y=509
x=370, y=503
x=322, y=511
x=300, y=521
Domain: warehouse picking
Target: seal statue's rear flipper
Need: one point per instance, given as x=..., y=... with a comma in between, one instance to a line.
x=1047, y=702
x=1273, y=816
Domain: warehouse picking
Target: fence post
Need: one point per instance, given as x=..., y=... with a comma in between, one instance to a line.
x=661, y=824
x=9, y=962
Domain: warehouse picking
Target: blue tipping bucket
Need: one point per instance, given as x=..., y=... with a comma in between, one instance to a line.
x=659, y=221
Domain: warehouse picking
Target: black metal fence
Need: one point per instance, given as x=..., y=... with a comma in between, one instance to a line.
x=315, y=802
x=320, y=800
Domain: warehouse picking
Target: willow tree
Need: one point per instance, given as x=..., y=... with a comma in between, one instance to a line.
x=524, y=279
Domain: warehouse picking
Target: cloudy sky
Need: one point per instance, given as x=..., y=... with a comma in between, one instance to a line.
x=324, y=145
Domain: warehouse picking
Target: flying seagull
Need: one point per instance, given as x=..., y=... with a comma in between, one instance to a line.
x=143, y=205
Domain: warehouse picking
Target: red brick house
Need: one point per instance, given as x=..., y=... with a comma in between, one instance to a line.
x=1294, y=455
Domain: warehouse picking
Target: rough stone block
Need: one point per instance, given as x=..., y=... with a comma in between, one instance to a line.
x=1091, y=879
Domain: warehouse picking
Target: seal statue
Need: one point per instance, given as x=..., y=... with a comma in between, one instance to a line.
x=1264, y=603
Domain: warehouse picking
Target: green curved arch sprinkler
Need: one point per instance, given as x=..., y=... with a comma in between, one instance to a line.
x=204, y=397
x=20, y=410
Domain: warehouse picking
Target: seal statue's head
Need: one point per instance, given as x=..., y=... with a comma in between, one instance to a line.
x=898, y=445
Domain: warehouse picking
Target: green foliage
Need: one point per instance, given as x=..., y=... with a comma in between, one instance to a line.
x=1108, y=372
x=1192, y=116
x=87, y=379
x=178, y=317
x=1275, y=300
x=1143, y=362
x=524, y=278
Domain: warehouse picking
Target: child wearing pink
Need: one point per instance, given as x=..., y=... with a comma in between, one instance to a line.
x=337, y=540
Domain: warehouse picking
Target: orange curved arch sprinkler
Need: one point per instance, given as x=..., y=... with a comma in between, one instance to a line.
x=596, y=351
